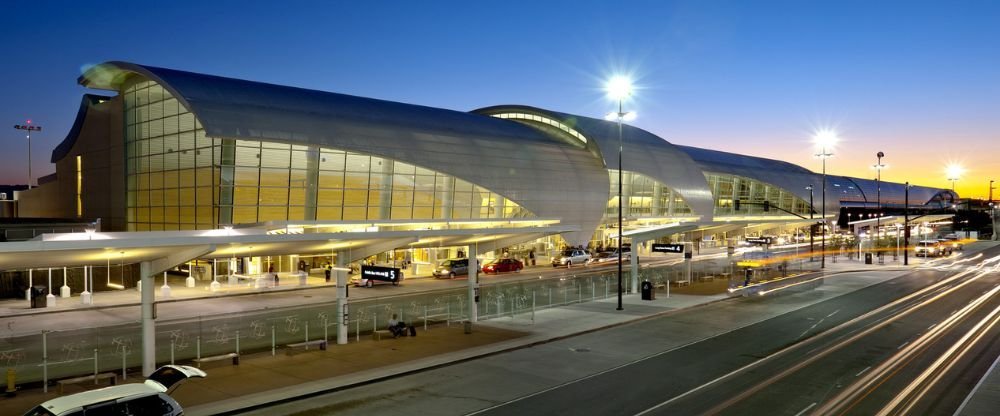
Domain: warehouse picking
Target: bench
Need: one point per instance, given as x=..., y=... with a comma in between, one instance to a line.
x=235, y=357
x=681, y=282
x=378, y=334
x=92, y=377
x=306, y=344
x=708, y=278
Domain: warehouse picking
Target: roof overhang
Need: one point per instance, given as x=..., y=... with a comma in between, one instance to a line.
x=79, y=249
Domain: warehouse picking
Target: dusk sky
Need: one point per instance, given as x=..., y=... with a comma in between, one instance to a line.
x=917, y=80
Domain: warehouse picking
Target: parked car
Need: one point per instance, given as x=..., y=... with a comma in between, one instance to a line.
x=605, y=257
x=148, y=398
x=928, y=248
x=503, y=266
x=947, y=246
x=569, y=257
x=956, y=243
x=451, y=268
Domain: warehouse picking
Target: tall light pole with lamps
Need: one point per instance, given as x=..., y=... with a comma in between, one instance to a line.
x=812, y=226
x=619, y=88
x=29, y=128
x=954, y=173
x=825, y=139
x=993, y=218
x=878, y=194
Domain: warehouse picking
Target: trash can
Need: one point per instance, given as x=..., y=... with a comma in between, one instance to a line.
x=868, y=258
x=38, y=299
x=648, y=293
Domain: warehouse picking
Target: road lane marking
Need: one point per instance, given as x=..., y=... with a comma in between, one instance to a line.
x=862, y=371
x=803, y=411
x=932, y=326
x=834, y=313
x=902, y=345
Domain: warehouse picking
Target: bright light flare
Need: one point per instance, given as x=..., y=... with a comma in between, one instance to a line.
x=825, y=139
x=954, y=171
x=613, y=116
x=619, y=87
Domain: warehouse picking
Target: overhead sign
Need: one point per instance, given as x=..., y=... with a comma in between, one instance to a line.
x=668, y=248
x=759, y=240
x=385, y=274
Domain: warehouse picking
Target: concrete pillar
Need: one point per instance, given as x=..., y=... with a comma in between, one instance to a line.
x=165, y=289
x=473, y=285
x=85, y=296
x=189, y=281
x=687, y=260
x=214, y=286
x=31, y=282
x=342, y=304
x=148, y=322
x=50, y=299
x=64, y=291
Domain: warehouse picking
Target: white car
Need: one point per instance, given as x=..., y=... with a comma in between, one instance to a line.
x=569, y=257
x=147, y=398
x=606, y=257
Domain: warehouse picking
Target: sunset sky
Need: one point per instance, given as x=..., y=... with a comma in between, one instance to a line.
x=917, y=80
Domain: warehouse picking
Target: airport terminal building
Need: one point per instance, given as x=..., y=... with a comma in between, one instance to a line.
x=173, y=150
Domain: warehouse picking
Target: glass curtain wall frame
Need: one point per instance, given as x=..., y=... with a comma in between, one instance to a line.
x=172, y=168
x=752, y=194
x=177, y=178
x=644, y=197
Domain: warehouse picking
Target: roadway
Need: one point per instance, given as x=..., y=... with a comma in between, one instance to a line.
x=913, y=344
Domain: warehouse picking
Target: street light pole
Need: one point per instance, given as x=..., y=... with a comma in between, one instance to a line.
x=29, y=128
x=824, y=139
x=906, y=225
x=620, y=88
x=878, y=195
x=812, y=226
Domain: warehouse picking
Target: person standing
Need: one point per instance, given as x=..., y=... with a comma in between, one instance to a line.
x=531, y=257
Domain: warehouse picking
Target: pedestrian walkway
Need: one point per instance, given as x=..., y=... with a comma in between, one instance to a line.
x=263, y=378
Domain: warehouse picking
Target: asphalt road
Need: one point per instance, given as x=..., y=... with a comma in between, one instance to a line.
x=796, y=362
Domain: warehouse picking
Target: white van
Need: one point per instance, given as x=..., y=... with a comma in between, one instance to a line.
x=147, y=398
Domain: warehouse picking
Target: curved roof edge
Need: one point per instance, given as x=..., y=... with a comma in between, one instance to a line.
x=63, y=148
x=656, y=157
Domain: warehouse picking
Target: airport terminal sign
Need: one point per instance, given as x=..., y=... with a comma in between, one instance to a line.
x=385, y=274
x=668, y=248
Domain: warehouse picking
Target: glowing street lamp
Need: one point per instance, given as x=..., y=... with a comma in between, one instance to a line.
x=29, y=128
x=825, y=140
x=878, y=166
x=954, y=172
x=619, y=88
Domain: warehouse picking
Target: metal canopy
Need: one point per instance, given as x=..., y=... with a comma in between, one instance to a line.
x=78, y=249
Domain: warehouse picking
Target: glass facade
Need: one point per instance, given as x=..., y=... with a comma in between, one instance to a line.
x=180, y=179
x=543, y=120
x=752, y=194
x=644, y=197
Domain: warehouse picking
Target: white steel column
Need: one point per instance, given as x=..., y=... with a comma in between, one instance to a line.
x=634, y=264
x=148, y=321
x=342, y=304
x=85, y=296
x=165, y=289
x=64, y=291
x=50, y=299
x=473, y=285
x=31, y=283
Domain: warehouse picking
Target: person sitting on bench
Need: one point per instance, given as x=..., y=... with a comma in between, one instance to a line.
x=396, y=327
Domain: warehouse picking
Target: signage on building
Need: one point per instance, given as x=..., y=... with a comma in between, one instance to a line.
x=759, y=240
x=386, y=274
x=3, y=196
x=668, y=248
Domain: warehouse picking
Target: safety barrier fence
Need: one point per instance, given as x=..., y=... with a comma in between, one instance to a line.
x=53, y=355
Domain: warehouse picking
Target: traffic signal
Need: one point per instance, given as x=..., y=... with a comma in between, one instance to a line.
x=736, y=205
x=767, y=206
